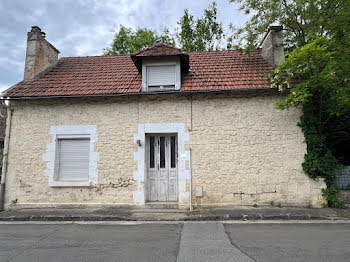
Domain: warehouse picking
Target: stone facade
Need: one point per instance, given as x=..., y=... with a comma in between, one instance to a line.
x=272, y=49
x=244, y=151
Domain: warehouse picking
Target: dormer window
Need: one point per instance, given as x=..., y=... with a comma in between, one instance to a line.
x=161, y=77
x=161, y=74
x=161, y=66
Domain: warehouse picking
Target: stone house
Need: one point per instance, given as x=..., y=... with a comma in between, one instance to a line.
x=158, y=127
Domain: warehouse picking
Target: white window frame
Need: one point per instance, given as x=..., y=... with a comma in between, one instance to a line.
x=164, y=61
x=51, y=156
x=57, y=162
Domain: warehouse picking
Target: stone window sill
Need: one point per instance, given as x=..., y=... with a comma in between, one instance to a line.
x=70, y=184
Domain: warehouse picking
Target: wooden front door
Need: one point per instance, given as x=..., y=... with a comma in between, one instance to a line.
x=161, y=163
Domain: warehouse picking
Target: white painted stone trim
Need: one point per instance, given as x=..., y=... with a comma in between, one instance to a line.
x=50, y=155
x=183, y=156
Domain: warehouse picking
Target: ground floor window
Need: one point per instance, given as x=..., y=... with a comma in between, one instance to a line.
x=73, y=159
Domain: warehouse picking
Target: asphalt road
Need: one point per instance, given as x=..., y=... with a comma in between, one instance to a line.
x=175, y=242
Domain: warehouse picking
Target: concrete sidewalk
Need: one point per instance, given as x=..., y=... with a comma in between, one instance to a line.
x=123, y=213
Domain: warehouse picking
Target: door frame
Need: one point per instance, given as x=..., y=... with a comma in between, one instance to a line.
x=147, y=155
x=184, y=174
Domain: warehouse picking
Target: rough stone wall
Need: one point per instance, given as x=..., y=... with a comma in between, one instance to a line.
x=247, y=152
x=46, y=57
x=272, y=46
x=243, y=150
x=344, y=196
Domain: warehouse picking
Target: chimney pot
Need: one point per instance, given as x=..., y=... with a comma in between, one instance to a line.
x=36, y=29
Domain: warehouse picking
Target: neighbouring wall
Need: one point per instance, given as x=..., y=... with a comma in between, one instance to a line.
x=244, y=151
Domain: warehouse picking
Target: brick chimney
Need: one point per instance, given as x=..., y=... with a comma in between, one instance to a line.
x=272, y=46
x=40, y=53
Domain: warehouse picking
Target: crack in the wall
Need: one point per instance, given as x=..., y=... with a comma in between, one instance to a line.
x=120, y=183
x=252, y=195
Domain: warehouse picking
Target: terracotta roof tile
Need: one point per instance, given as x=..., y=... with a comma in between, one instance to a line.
x=159, y=49
x=99, y=75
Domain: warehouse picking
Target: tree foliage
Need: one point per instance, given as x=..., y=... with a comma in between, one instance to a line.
x=193, y=34
x=127, y=40
x=317, y=72
x=303, y=21
x=201, y=34
x=316, y=77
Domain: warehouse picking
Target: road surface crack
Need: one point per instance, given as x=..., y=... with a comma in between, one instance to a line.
x=236, y=246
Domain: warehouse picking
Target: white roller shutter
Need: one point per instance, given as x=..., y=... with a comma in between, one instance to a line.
x=161, y=75
x=73, y=159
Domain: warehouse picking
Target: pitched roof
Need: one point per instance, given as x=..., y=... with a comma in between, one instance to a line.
x=102, y=75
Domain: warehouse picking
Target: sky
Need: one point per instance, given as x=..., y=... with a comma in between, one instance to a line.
x=85, y=27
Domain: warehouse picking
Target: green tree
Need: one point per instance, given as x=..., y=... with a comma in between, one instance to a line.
x=202, y=34
x=127, y=40
x=186, y=35
x=303, y=21
x=316, y=77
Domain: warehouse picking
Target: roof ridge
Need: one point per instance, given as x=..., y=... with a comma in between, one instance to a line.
x=192, y=52
x=225, y=50
x=94, y=56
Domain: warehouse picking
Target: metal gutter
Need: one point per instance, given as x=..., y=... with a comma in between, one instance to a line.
x=5, y=157
x=241, y=90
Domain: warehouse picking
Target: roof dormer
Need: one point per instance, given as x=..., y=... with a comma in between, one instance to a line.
x=161, y=66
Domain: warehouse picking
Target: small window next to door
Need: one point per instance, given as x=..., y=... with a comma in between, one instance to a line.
x=173, y=151
x=162, y=152
x=151, y=153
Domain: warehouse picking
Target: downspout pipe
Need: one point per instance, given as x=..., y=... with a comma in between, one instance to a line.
x=191, y=202
x=5, y=157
